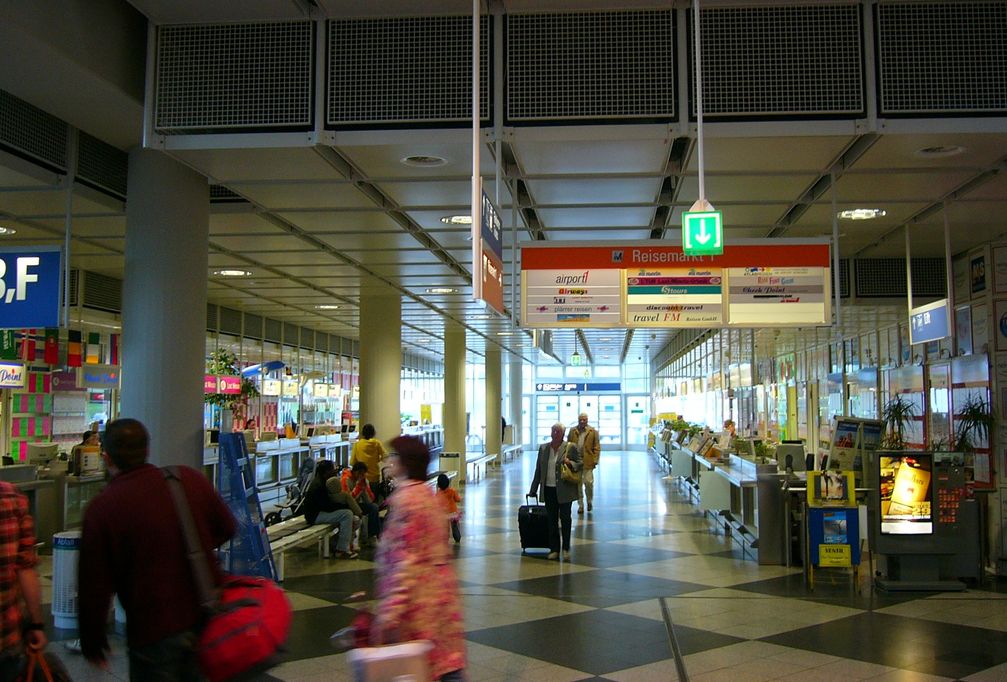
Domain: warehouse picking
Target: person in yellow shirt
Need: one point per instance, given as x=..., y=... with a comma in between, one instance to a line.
x=369, y=450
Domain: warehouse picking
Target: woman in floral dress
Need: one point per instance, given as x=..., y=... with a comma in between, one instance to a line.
x=417, y=588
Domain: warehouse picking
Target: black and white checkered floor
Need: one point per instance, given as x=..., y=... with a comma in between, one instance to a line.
x=599, y=616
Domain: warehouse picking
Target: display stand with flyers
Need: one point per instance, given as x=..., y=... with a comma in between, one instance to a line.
x=833, y=524
x=851, y=439
x=248, y=552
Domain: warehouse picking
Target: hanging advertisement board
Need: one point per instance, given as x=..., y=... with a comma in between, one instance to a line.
x=12, y=375
x=929, y=322
x=489, y=270
x=778, y=283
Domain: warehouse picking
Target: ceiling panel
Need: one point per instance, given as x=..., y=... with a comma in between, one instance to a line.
x=225, y=166
x=225, y=222
x=259, y=243
x=596, y=217
x=900, y=151
x=304, y=195
x=769, y=153
x=341, y=221
x=596, y=235
x=778, y=188
x=594, y=156
x=595, y=191
x=852, y=190
x=454, y=146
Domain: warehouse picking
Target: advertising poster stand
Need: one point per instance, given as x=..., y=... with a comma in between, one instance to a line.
x=833, y=524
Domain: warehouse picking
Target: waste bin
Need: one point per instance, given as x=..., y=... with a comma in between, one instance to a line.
x=451, y=461
x=65, y=552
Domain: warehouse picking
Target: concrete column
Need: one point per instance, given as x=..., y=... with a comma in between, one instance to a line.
x=454, y=392
x=516, y=388
x=380, y=357
x=494, y=399
x=164, y=304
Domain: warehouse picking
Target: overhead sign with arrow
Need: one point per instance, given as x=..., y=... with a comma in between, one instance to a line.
x=703, y=233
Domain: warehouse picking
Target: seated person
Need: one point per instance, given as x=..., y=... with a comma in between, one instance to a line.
x=319, y=507
x=88, y=439
x=354, y=484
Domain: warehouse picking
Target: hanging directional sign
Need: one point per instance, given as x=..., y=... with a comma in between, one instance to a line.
x=703, y=233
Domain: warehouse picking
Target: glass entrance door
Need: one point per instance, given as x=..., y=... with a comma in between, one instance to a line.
x=604, y=412
x=637, y=420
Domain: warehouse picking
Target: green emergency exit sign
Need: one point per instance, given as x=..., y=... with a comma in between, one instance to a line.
x=703, y=233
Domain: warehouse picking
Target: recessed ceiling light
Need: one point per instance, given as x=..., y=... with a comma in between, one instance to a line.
x=7, y=230
x=938, y=151
x=442, y=290
x=424, y=161
x=457, y=220
x=505, y=333
x=231, y=273
x=862, y=213
x=326, y=306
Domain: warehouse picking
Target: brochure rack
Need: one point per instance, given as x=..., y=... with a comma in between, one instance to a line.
x=248, y=553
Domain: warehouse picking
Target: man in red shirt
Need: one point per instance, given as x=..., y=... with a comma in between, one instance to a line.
x=132, y=545
x=18, y=582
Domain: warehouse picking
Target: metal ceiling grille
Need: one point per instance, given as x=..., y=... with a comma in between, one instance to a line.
x=74, y=286
x=591, y=65
x=234, y=76
x=102, y=292
x=273, y=330
x=211, y=317
x=844, y=278
x=405, y=70
x=781, y=61
x=102, y=164
x=253, y=326
x=230, y=321
x=290, y=334
x=29, y=130
x=946, y=57
x=222, y=195
x=875, y=280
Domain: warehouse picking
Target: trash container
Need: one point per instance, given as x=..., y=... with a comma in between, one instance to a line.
x=451, y=461
x=65, y=552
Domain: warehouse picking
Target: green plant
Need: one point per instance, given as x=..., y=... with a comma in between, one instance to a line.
x=897, y=415
x=223, y=362
x=973, y=424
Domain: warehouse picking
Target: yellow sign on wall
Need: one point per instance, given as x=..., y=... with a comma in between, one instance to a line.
x=426, y=414
x=834, y=556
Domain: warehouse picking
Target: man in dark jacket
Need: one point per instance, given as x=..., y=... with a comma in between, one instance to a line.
x=322, y=507
x=133, y=546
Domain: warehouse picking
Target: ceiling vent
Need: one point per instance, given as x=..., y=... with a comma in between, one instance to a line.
x=591, y=65
x=31, y=132
x=405, y=70
x=875, y=280
x=781, y=61
x=222, y=195
x=942, y=57
x=230, y=77
x=101, y=165
x=230, y=321
x=102, y=292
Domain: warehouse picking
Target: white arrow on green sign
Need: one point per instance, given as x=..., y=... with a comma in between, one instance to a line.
x=703, y=233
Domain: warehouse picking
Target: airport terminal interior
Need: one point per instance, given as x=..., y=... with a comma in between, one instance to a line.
x=761, y=246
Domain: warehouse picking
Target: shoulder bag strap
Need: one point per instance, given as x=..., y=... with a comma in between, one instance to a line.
x=198, y=562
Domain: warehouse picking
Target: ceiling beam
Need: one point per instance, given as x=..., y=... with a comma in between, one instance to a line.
x=671, y=186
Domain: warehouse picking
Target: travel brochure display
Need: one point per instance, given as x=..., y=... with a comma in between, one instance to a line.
x=643, y=285
x=833, y=520
x=905, y=482
x=850, y=439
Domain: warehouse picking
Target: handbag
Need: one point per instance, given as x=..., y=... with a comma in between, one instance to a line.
x=247, y=618
x=567, y=472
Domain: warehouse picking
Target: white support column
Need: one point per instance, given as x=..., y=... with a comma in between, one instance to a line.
x=380, y=357
x=494, y=401
x=454, y=392
x=516, y=397
x=164, y=304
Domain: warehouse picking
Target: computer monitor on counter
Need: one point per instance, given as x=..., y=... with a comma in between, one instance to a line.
x=40, y=454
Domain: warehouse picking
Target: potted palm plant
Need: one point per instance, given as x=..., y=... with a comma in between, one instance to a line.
x=897, y=415
x=973, y=424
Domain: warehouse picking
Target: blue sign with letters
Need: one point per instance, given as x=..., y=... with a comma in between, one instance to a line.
x=929, y=322
x=30, y=287
x=490, y=224
x=574, y=387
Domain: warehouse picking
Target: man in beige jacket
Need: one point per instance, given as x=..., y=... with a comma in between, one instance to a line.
x=586, y=439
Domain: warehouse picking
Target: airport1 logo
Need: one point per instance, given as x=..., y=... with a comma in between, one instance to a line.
x=30, y=288
x=703, y=233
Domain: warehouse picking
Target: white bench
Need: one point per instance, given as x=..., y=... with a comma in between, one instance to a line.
x=509, y=452
x=477, y=466
x=295, y=532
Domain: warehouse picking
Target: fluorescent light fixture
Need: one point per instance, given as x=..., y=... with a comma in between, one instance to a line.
x=505, y=333
x=327, y=306
x=424, y=161
x=862, y=213
x=457, y=220
x=7, y=230
x=442, y=290
x=481, y=317
x=228, y=272
x=605, y=340
x=939, y=151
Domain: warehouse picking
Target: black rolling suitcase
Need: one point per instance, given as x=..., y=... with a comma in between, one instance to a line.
x=533, y=524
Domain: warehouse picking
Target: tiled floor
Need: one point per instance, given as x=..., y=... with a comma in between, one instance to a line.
x=599, y=616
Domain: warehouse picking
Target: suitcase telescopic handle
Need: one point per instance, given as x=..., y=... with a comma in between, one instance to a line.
x=527, y=498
